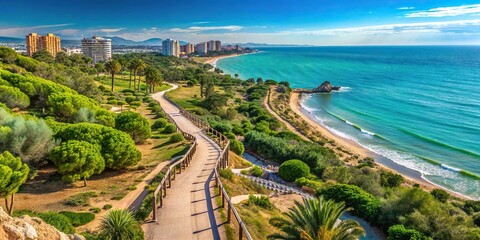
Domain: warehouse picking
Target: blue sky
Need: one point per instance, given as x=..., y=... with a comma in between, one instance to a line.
x=320, y=22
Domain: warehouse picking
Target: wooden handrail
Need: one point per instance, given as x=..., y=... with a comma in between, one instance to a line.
x=221, y=163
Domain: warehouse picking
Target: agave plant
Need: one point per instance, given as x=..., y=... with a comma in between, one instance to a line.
x=316, y=219
x=120, y=225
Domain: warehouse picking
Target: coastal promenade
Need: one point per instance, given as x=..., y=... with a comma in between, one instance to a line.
x=189, y=211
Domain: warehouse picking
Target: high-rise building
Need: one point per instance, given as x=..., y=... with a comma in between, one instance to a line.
x=211, y=46
x=189, y=48
x=171, y=47
x=201, y=48
x=218, y=46
x=97, y=48
x=49, y=43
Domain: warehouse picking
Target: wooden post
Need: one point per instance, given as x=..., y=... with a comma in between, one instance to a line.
x=154, y=207
x=161, y=197
x=164, y=186
x=229, y=214
x=240, y=233
x=223, y=199
x=170, y=179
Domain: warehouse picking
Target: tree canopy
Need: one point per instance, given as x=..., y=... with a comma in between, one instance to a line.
x=77, y=160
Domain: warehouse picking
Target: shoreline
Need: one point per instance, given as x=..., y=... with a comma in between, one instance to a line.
x=213, y=61
x=410, y=175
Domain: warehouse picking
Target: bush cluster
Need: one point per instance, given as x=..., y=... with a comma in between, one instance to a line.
x=293, y=169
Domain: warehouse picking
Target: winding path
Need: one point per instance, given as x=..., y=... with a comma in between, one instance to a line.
x=189, y=210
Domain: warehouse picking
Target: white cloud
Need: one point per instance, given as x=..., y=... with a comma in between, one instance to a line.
x=18, y=31
x=446, y=11
x=203, y=29
x=395, y=28
x=69, y=31
x=406, y=8
x=203, y=22
x=109, y=30
x=153, y=28
x=441, y=32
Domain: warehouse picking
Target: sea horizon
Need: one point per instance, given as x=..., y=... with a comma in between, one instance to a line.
x=407, y=122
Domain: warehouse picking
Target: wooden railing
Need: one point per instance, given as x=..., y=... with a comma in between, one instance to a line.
x=221, y=163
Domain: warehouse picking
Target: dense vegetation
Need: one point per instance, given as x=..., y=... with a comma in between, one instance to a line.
x=59, y=109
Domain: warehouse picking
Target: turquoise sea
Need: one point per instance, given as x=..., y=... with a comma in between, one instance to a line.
x=418, y=106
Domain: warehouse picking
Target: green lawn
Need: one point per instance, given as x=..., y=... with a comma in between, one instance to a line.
x=189, y=97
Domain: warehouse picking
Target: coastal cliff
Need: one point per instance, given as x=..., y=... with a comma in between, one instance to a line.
x=30, y=228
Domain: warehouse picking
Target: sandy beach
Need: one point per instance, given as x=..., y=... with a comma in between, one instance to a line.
x=213, y=60
x=409, y=174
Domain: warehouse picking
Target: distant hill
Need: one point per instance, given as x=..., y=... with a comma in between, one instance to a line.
x=11, y=40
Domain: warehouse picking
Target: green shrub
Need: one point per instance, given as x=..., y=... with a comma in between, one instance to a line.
x=77, y=160
x=440, y=194
x=399, y=232
x=292, y=169
x=471, y=206
x=59, y=221
x=159, y=123
x=145, y=209
x=117, y=147
x=111, y=98
x=339, y=174
x=79, y=218
x=257, y=171
x=363, y=203
x=135, y=104
x=112, y=102
x=280, y=150
x=107, y=206
x=237, y=147
x=177, y=137
x=389, y=179
x=80, y=199
x=169, y=128
x=230, y=135
x=226, y=173
x=129, y=99
x=261, y=201
x=155, y=108
x=13, y=97
x=135, y=125
x=95, y=210
x=160, y=114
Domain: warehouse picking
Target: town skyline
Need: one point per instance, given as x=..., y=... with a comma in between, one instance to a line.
x=303, y=23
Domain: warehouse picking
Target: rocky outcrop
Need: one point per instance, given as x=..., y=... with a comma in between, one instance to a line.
x=325, y=87
x=30, y=228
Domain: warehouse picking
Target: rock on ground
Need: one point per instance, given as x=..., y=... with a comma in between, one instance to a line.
x=30, y=228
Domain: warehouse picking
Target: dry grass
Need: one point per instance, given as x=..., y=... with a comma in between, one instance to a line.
x=238, y=161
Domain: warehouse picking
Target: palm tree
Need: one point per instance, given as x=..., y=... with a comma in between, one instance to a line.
x=122, y=62
x=113, y=67
x=152, y=78
x=100, y=67
x=316, y=219
x=137, y=65
x=120, y=225
x=131, y=68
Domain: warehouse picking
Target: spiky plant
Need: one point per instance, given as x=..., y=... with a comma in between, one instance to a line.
x=316, y=219
x=120, y=225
